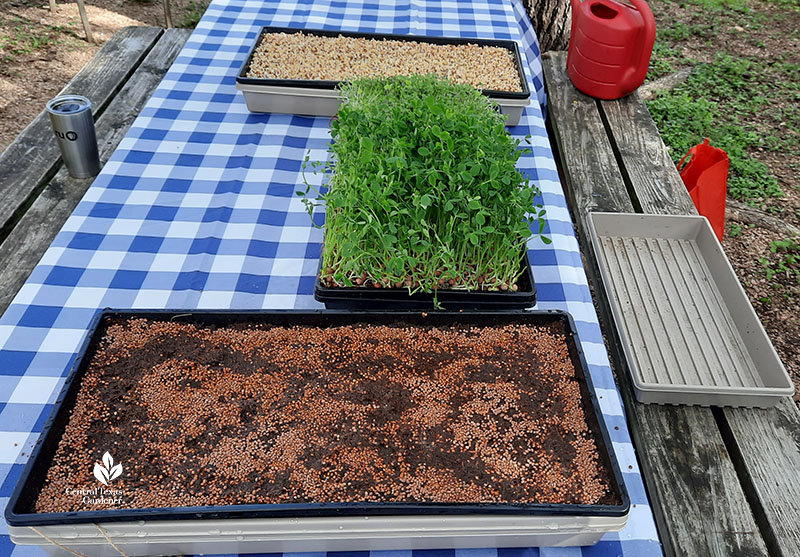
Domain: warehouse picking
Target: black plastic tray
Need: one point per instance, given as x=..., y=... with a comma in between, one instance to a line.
x=19, y=510
x=328, y=84
x=362, y=298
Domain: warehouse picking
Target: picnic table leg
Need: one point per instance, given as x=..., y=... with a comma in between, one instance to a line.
x=85, y=20
x=167, y=15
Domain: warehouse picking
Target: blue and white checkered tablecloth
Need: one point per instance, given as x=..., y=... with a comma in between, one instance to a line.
x=197, y=209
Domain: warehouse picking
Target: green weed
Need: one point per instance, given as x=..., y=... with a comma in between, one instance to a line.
x=728, y=102
x=424, y=191
x=193, y=13
x=660, y=61
x=19, y=36
x=715, y=6
x=788, y=4
x=787, y=262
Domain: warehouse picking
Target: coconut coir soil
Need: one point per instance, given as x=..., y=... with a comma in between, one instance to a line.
x=255, y=414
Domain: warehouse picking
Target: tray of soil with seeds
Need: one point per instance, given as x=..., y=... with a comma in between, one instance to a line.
x=297, y=71
x=423, y=208
x=309, y=431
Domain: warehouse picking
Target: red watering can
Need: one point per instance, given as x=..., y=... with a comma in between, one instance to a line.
x=610, y=46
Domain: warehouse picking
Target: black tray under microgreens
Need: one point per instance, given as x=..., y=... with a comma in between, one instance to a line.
x=365, y=298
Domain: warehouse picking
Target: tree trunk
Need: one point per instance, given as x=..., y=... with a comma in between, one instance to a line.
x=551, y=20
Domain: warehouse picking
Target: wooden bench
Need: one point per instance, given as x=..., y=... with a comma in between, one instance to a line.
x=37, y=194
x=721, y=481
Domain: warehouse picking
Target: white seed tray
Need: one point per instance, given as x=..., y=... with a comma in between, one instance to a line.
x=181, y=537
x=322, y=102
x=688, y=331
x=321, y=98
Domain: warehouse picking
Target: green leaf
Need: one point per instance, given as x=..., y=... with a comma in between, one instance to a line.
x=425, y=201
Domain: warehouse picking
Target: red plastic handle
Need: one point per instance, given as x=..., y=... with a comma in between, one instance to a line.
x=641, y=59
x=680, y=163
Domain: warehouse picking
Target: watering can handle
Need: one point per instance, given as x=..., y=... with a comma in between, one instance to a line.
x=680, y=164
x=649, y=29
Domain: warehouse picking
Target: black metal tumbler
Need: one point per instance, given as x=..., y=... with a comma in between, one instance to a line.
x=73, y=125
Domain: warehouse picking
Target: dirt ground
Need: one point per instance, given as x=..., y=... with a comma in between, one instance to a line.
x=768, y=34
x=41, y=50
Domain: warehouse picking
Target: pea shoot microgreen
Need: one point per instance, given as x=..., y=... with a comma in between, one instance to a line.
x=424, y=192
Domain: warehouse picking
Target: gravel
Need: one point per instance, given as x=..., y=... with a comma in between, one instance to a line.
x=309, y=57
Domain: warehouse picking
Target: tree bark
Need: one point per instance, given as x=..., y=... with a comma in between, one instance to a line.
x=551, y=20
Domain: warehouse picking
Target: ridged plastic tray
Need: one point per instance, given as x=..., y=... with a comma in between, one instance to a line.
x=688, y=331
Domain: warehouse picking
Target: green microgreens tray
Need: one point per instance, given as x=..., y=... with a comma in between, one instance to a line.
x=424, y=193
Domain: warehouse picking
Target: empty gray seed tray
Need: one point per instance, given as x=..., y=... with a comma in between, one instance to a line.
x=687, y=328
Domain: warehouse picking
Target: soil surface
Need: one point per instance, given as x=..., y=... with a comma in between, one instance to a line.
x=254, y=414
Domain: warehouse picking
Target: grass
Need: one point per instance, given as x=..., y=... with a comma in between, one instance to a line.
x=729, y=100
x=661, y=60
x=193, y=12
x=744, y=104
x=19, y=36
x=424, y=191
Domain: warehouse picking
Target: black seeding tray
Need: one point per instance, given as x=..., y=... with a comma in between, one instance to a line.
x=312, y=526
x=365, y=298
x=320, y=97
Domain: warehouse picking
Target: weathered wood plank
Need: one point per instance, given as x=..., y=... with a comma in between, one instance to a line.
x=32, y=235
x=644, y=160
x=583, y=142
x=768, y=444
x=33, y=157
x=697, y=500
x=764, y=444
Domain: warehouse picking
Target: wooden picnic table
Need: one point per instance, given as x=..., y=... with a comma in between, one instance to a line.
x=37, y=194
x=721, y=481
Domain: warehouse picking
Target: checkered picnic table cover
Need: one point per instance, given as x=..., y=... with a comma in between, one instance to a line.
x=197, y=209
